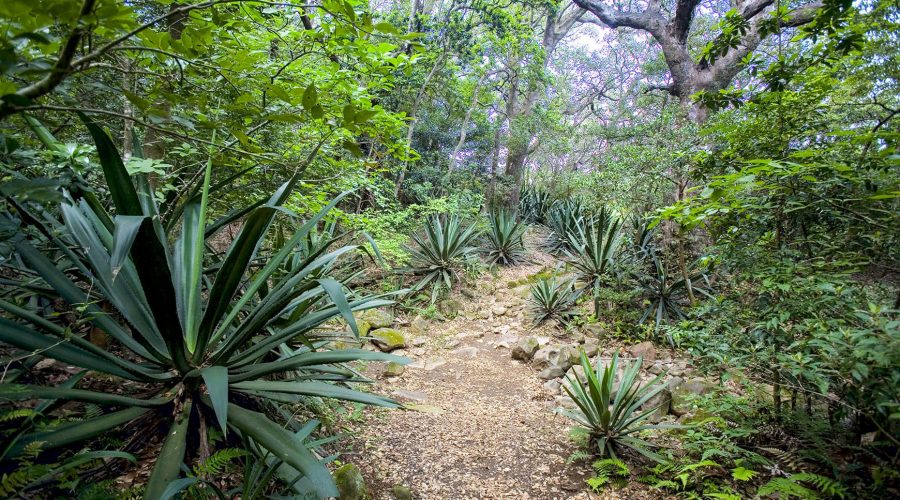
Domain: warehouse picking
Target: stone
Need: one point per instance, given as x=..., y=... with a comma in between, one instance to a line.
x=449, y=308
x=419, y=342
x=552, y=386
x=401, y=492
x=469, y=293
x=452, y=344
x=577, y=337
x=429, y=364
x=595, y=330
x=656, y=368
x=591, y=347
x=662, y=401
x=525, y=349
x=466, y=352
x=419, y=325
x=414, y=396
x=553, y=361
x=378, y=318
x=685, y=391
x=418, y=351
x=645, y=350
x=499, y=310
x=350, y=483
x=388, y=339
x=564, y=401
x=484, y=314
x=393, y=369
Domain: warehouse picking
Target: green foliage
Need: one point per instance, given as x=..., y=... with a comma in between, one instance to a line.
x=566, y=220
x=803, y=486
x=505, y=245
x=596, y=250
x=610, y=411
x=534, y=204
x=192, y=341
x=664, y=293
x=552, y=299
x=441, y=253
x=608, y=471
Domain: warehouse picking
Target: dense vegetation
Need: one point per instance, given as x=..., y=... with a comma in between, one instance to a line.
x=200, y=199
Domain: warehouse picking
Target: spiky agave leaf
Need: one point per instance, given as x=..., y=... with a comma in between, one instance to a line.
x=505, y=244
x=553, y=299
x=193, y=330
x=610, y=411
x=440, y=252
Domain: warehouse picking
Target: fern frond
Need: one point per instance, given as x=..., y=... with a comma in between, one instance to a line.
x=823, y=484
x=577, y=456
x=215, y=465
x=16, y=414
x=16, y=480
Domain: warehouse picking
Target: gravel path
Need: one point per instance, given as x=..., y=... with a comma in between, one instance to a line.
x=485, y=426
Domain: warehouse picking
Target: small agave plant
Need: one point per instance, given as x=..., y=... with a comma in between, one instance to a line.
x=505, y=244
x=553, y=300
x=611, y=413
x=440, y=253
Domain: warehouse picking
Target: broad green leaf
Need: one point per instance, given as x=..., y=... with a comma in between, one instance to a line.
x=216, y=380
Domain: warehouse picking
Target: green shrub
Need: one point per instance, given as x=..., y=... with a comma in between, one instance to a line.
x=552, y=299
x=505, y=245
x=440, y=254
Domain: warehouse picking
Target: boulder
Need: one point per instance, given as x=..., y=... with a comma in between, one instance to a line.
x=350, y=483
x=552, y=386
x=591, y=347
x=388, y=339
x=401, y=492
x=419, y=325
x=449, y=308
x=553, y=361
x=484, y=314
x=377, y=318
x=393, y=369
x=684, y=391
x=662, y=401
x=644, y=350
x=525, y=349
x=595, y=330
x=498, y=310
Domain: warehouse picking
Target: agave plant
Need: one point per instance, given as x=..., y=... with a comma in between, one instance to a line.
x=666, y=292
x=611, y=412
x=566, y=220
x=534, y=203
x=552, y=299
x=196, y=338
x=505, y=245
x=596, y=249
x=642, y=232
x=440, y=253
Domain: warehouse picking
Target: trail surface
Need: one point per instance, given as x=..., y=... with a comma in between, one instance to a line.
x=485, y=426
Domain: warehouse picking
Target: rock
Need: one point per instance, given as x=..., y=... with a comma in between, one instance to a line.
x=418, y=351
x=466, y=352
x=564, y=401
x=656, y=368
x=388, y=339
x=577, y=337
x=393, y=369
x=553, y=361
x=419, y=342
x=419, y=325
x=414, y=396
x=552, y=386
x=429, y=364
x=498, y=310
x=378, y=318
x=683, y=392
x=449, y=308
x=576, y=373
x=452, y=344
x=469, y=293
x=595, y=330
x=591, y=347
x=401, y=492
x=347, y=343
x=645, y=350
x=524, y=350
x=484, y=314
x=662, y=401
x=350, y=483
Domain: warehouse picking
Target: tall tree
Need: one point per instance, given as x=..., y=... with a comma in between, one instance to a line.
x=754, y=21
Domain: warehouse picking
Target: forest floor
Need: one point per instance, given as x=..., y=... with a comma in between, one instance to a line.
x=483, y=425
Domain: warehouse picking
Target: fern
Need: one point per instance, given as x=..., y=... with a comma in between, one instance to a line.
x=15, y=481
x=824, y=485
x=786, y=488
x=606, y=471
x=17, y=414
x=31, y=450
x=215, y=465
x=577, y=456
x=804, y=485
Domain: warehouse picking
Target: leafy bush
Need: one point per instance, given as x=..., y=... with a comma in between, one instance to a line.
x=440, y=254
x=665, y=292
x=505, y=245
x=195, y=337
x=534, y=204
x=610, y=411
x=552, y=299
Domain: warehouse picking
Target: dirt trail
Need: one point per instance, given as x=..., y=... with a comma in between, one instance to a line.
x=486, y=426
